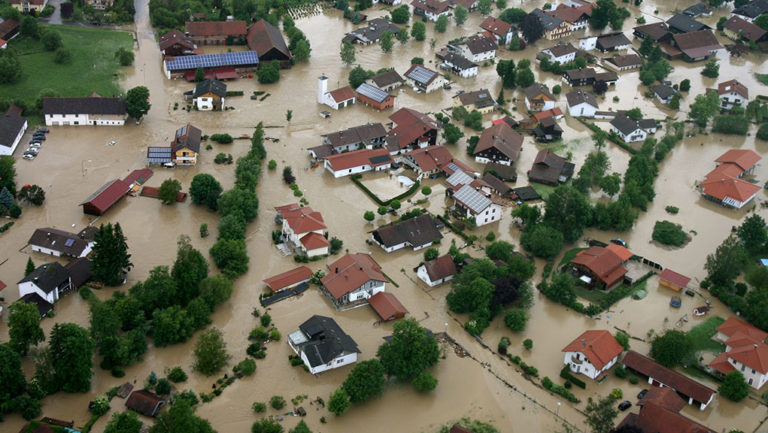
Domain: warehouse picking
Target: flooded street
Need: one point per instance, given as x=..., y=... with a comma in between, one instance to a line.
x=77, y=161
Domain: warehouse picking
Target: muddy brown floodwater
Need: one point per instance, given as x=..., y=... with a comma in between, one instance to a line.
x=76, y=161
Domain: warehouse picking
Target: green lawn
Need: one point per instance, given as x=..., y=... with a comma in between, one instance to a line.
x=763, y=78
x=569, y=255
x=93, y=67
x=701, y=335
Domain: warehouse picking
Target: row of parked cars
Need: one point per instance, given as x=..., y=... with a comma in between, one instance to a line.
x=35, y=143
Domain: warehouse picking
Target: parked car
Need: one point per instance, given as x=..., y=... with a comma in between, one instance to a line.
x=619, y=241
x=43, y=130
x=39, y=137
x=676, y=302
x=624, y=405
x=642, y=393
x=169, y=164
x=29, y=156
x=34, y=141
x=35, y=145
x=31, y=150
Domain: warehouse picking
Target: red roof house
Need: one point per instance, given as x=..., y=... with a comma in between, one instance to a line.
x=387, y=306
x=288, y=279
x=145, y=402
x=352, y=280
x=414, y=129
x=304, y=229
x=215, y=32
x=671, y=279
x=592, y=353
x=745, y=350
x=658, y=375
x=357, y=161
x=602, y=266
x=744, y=159
x=658, y=419
x=105, y=197
x=437, y=271
x=663, y=397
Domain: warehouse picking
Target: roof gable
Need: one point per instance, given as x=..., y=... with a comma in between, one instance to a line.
x=350, y=272
x=263, y=37
x=598, y=346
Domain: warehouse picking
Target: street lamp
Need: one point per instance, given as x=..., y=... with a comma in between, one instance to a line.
x=557, y=412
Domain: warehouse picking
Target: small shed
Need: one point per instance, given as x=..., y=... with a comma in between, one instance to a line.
x=145, y=402
x=125, y=390
x=105, y=197
x=289, y=279
x=387, y=306
x=672, y=280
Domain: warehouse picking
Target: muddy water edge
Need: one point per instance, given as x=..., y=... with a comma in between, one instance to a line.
x=77, y=161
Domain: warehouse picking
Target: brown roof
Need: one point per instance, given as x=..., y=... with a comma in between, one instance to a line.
x=656, y=419
x=697, y=44
x=548, y=167
x=387, y=78
x=602, y=262
x=481, y=44
x=8, y=26
x=431, y=157
x=263, y=37
x=561, y=49
x=663, y=397
x=288, y=278
x=734, y=325
x=673, y=277
x=216, y=28
x=502, y=138
x=598, y=346
x=434, y=6
x=479, y=98
x=302, y=219
x=440, y=268
x=79, y=271
x=411, y=125
x=144, y=402
x=175, y=37
x=350, y=272
x=536, y=91
x=187, y=137
x=626, y=60
x=89, y=105
x=497, y=184
x=106, y=196
x=579, y=96
x=496, y=26
x=678, y=382
x=418, y=232
x=654, y=30
x=387, y=306
x=748, y=30
x=357, y=158
x=343, y=94
x=736, y=87
x=571, y=14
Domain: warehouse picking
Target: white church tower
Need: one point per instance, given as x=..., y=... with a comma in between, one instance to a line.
x=322, y=89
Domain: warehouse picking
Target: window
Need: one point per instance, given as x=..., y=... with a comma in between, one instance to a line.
x=743, y=367
x=750, y=381
x=753, y=371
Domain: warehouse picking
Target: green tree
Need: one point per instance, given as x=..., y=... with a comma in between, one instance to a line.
x=542, y=240
x=561, y=289
x=703, y=108
x=757, y=301
x=230, y=256
x=409, y=352
x=6, y=200
x=513, y=15
x=762, y=21
x=137, y=102
x=711, y=69
x=266, y=425
x=622, y=339
x=180, y=418
x=674, y=104
x=452, y=133
x=646, y=47
x=401, y=15
x=30, y=267
x=568, y=211
x=369, y=216
x=365, y=381
x=418, y=31
x=752, y=233
x=395, y=204
x=232, y=226
x=426, y=190
x=386, y=41
x=460, y=14
x=199, y=74
x=734, y=387
x=215, y=290
x=524, y=78
x=71, y=351
x=302, y=51
x=205, y=189
x=431, y=254
x=12, y=382
x=189, y=269
x=338, y=402
x=358, y=75
x=29, y=28
x=531, y=28
x=402, y=35
x=672, y=348
x=269, y=73
x=382, y=210
x=424, y=382
x=210, y=352
x=441, y=25
x=301, y=427
x=168, y=191
x=347, y=53
x=685, y=85
x=601, y=414
x=32, y=193
x=123, y=422
x=51, y=40
x=515, y=319
x=484, y=7
x=125, y=57
x=240, y=200
x=110, y=260
x=10, y=67
x=611, y=184
x=24, y=327
x=727, y=262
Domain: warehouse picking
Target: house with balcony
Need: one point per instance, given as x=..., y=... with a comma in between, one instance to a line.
x=351, y=280
x=592, y=353
x=303, y=229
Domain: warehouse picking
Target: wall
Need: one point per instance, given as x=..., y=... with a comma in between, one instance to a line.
x=30, y=287
x=12, y=146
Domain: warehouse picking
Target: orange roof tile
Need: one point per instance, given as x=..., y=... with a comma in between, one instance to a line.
x=723, y=187
x=313, y=241
x=288, y=278
x=673, y=277
x=721, y=364
x=602, y=262
x=734, y=325
x=623, y=253
x=343, y=94
x=664, y=397
x=358, y=158
x=743, y=158
x=350, y=272
x=598, y=346
x=752, y=355
x=387, y=306
x=303, y=219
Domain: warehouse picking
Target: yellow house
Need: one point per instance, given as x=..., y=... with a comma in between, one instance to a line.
x=479, y=100
x=186, y=145
x=26, y=6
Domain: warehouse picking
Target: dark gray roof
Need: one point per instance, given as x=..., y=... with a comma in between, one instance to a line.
x=387, y=78
x=79, y=271
x=372, y=31
x=612, y=40
x=696, y=10
x=357, y=134
x=549, y=22
x=211, y=86
x=497, y=184
x=685, y=24
x=627, y=125
x=187, y=137
x=752, y=9
x=10, y=126
x=535, y=89
x=43, y=307
x=458, y=61
x=663, y=91
x=48, y=276
x=480, y=98
x=561, y=49
x=326, y=340
x=481, y=44
x=372, y=92
x=417, y=231
x=67, y=243
x=580, y=96
x=89, y=105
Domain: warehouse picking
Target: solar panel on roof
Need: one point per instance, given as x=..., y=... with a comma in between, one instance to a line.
x=69, y=242
x=472, y=199
x=213, y=60
x=379, y=159
x=459, y=178
x=374, y=93
x=421, y=75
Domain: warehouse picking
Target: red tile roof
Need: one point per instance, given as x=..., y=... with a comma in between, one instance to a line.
x=140, y=176
x=725, y=170
x=673, y=277
x=678, y=382
x=734, y=326
x=106, y=196
x=387, y=306
x=343, y=94
x=663, y=397
x=358, y=158
x=623, y=253
x=175, y=37
x=440, y=268
x=302, y=219
x=553, y=112
x=2, y=285
x=288, y=278
x=350, y=272
x=313, y=241
x=754, y=355
x=722, y=187
x=656, y=419
x=496, y=26
x=598, y=346
x=571, y=14
x=602, y=262
x=411, y=125
x=743, y=158
x=216, y=28
x=431, y=157
x=721, y=364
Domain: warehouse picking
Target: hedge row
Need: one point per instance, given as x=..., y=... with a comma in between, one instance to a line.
x=610, y=136
x=565, y=373
x=356, y=179
x=453, y=227
x=234, y=93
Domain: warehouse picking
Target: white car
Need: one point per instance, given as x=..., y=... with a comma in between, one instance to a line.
x=169, y=164
x=35, y=146
x=32, y=151
x=29, y=156
x=112, y=143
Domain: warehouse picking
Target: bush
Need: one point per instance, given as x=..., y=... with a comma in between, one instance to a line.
x=731, y=124
x=14, y=211
x=668, y=233
x=62, y=56
x=245, y=367
x=672, y=209
x=515, y=319
x=272, y=164
x=275, y=335
x=163, y=387
x=117, y=372
x=277, y=402
x=762, y=132
x=259, y=407
x=424, y=382
x=633, y=379
x=222, y=138
x=177, y=375
x=620, y=372
x=528, y=343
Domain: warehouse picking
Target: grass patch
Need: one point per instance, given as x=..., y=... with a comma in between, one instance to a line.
x=556, y=146
x=701, y=335
x=763, y=78
x=606, y=299
x=594, y=296
x=543, y=190
x=93, y=67
x=570, y=255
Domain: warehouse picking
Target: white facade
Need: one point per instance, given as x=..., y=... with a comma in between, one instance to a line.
x=339, y=361
x=636, y=135
x=754, y=378
x=588, y=43
x=423, y=275
x=206, y=104
x=436, y=84
x=324, y=96
x=582, y=110
x=565, y=58
x=83, y=119
x=295, y=239
x=28, y=287
x=57, y=253
x=732, y=99
x=463, y=73
x=486, y=216
x=8, y=148
x=431, y=16
x=548, y=105
x=578, y=363
x=391, y=248
x=363, y=292
x=354, y=170
x=484, y=160
x=464, y=50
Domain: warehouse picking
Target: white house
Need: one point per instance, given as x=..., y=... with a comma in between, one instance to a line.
x=562, y=53
x=60, y=243
x=353, y=279
x=431, y=9
x=424, y=79
x=304, y=229
x=581, y=103
x=93, y=110
x=501, y=30
x=49, y=281
x=417, y=233
x=538, y=98
x=477, y=48
x=632, y=130
x=732, y=94
x=339, y=98
x=592, y=353
x=12, y=128
x=438, y=271
x=459, y=65
x=322, y=345
x=358, y=161
x=209, y=95
x=588, y=43
x=469, y=203
x=745, y=351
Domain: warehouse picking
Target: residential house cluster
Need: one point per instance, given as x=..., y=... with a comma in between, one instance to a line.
x=745, y=351
x=303, y=229
x=724, y=184
x=183, y=149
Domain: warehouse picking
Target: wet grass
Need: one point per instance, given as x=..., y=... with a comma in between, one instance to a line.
x=701, y=335
x=597, y=296
x=570, y=255
x=93, y=67
x=763, y=78
x=543, y=190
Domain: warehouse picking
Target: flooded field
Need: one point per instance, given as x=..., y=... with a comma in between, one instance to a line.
x=74, y=162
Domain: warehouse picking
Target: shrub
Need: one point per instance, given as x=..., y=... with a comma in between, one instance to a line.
x=731, y=124
x=245, y=367
x=117, y=372
x=222, y=138
x=515, y=319
x=177, y=375
x=528, y=343
x=277, y=402
x=633, y=379
x=503, y=345
x=163, y=387
x=275, y=335
x=669, y=233
x=265, y=319
x=62, y=56
x=259, y=407
x=14, y=211
x=762, y=132
x=672, y=209
x=272, y=164
x=424, y=382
